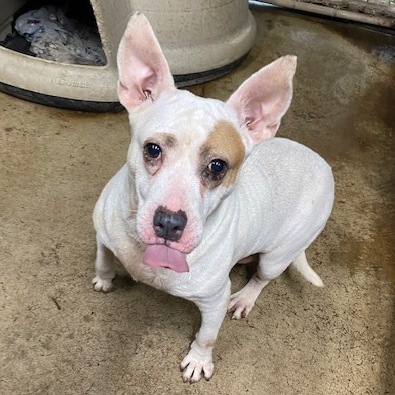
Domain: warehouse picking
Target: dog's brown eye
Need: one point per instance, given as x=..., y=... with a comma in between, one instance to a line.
x=152, y=150
x=217, y=166
x=216, y=170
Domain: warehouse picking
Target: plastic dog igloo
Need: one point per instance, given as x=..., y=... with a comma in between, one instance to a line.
x=201, y=40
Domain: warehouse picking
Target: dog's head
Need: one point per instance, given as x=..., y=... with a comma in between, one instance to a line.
x=186, y=151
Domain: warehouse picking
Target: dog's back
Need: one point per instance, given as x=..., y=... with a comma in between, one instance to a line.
x=282, y=200
x=299, y=179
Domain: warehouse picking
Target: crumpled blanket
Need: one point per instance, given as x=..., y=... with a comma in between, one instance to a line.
x=55, y=37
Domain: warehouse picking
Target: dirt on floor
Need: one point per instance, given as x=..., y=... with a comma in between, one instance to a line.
x=57, y=336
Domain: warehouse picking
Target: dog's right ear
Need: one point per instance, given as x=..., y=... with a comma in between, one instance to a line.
x=142, y=68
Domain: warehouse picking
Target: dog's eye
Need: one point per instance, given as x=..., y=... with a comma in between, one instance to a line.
x=217, y=166
x=152, y=150
x=214, y=173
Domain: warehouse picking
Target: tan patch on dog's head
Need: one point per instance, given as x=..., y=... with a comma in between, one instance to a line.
x=223, y=143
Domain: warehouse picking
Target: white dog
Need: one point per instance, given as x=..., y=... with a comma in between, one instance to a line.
x=206, y=186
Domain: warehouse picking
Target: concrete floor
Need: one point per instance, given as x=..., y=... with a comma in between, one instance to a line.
x=57, y=336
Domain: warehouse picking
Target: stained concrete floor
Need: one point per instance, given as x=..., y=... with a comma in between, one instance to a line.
x=57, y=336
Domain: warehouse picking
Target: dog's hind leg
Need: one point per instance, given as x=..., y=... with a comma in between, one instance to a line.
x=105, y=272
x=269, y=267
x=242, y=302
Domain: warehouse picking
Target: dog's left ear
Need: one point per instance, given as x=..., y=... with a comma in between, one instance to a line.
x=263, y=99
x=143, y=70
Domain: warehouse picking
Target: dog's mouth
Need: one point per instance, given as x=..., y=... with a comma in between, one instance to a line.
x=161, y=255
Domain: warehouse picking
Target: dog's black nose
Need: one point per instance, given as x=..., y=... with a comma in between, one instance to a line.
x=168, y=224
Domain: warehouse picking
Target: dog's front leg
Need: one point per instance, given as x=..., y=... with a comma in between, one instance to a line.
x=198, y=362
x=105, y=272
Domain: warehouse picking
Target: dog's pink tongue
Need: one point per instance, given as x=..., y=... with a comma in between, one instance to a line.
x=159, y=255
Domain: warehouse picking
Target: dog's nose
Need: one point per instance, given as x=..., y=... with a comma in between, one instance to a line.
x=169, y=224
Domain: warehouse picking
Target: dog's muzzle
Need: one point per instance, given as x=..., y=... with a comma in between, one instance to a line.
x=168, y=225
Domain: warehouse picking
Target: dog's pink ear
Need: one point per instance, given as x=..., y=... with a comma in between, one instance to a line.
x=142, y=68
x=263, y=99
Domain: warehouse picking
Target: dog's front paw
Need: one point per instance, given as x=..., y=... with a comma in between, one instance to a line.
x=102, y=285
x=194, y=368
